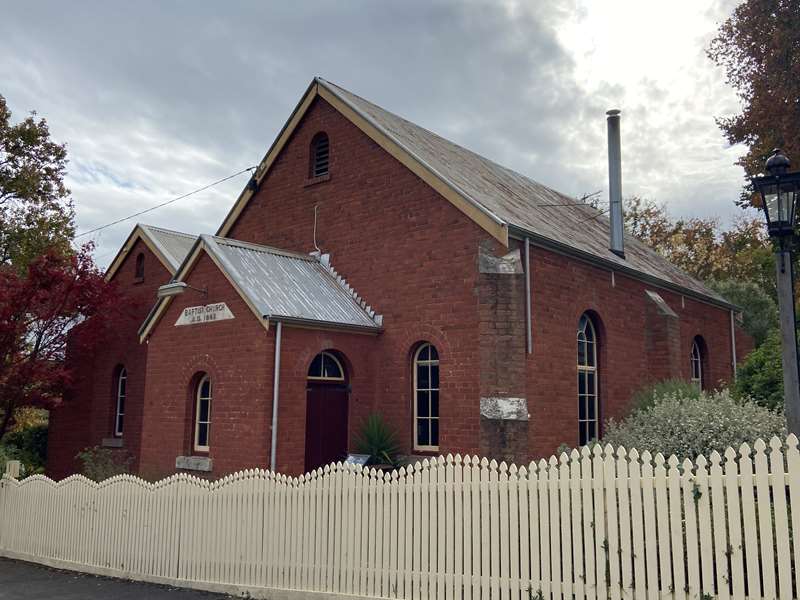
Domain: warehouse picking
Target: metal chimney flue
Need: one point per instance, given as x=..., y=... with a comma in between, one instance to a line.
x=617, y=244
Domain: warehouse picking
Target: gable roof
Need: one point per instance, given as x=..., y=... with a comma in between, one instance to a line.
x=277, y=285
x=503, y=202
x=170, y=247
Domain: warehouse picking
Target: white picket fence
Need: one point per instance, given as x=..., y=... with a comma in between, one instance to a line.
x=601, y=525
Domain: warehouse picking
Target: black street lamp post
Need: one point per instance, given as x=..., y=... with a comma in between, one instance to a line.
x=779, y=191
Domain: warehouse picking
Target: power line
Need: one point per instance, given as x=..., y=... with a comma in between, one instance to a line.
x=152, y=208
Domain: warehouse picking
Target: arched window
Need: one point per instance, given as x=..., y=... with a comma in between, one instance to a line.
x=320, y=155
x=696, y=362
x=140, y=266
x=326, y=367
x=121, y=392
x=426, y=398
x=202, y=418
x=588, y=401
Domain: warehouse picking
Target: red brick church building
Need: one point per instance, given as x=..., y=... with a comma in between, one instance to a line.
x=371, y=266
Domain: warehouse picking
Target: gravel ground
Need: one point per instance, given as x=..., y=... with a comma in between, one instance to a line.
x=27, y=581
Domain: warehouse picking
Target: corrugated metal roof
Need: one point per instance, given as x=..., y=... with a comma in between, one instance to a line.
x=288, y=286
x=519, y=201
x=174, y=245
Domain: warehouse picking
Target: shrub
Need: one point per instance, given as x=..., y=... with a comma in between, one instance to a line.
x=645, y=397
x=29, y=446
x=760, y=376
x=377, y=439
x=101, y=463
x=687, y=426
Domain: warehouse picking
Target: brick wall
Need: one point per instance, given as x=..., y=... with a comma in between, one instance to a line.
x=406, y=250
x=86, y=416
x=636, y=345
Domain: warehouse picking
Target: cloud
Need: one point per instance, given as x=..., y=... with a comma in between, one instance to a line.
x=155, y=99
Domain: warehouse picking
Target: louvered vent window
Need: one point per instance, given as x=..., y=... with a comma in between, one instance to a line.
x=320, y=155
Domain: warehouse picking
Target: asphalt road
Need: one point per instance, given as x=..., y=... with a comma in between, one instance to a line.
x=27, y=581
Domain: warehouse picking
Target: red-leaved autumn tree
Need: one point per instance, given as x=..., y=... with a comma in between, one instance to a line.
x=61, y=296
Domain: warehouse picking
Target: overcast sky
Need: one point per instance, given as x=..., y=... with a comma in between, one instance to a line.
x=155, y=99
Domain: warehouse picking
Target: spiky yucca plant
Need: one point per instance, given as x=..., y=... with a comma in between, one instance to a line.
x=377, y=439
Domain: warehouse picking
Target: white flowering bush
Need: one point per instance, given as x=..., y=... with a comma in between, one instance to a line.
x=689, y=426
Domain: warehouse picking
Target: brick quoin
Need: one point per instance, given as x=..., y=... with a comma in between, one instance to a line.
x=414, y=257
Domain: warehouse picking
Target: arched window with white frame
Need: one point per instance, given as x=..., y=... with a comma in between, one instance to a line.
x=426, y=398
x=119, y=404
x=696, y=363
x=202, y=415
x=588, y=397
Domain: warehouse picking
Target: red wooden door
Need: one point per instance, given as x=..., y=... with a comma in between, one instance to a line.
x=326, y=424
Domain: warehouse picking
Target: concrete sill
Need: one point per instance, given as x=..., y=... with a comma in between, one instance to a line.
x=112, y=442
x=316, y=180
x=193, y=463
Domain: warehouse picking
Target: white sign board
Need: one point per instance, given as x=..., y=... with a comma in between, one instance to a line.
x=204, y=314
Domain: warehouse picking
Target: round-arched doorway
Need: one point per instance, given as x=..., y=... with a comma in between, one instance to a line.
x=326, y=411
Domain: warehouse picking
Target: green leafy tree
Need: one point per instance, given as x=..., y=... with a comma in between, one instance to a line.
x=758, y=46
x=36, y=213
x=759, y=311
x=760, y=377
x=702, y=248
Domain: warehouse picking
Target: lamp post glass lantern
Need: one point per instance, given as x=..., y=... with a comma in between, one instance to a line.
x=779, y=192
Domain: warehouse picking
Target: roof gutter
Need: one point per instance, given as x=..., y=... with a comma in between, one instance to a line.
x=314, y=324
x=519, y=233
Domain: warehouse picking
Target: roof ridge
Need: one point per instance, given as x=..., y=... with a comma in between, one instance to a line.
x=457, y=145
x=259, y=247
x=165, y=230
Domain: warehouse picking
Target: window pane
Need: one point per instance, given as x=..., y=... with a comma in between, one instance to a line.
x=424, y=353
x=205, y=389
x=591, y=432
x=590, y=383
x=202, y=434
x=423, y=404
x=332, y=369
x=203, y=411
x=434, y=403
x=423, y=377
x=590, y=357
x=435, y=377
x=121, y=405
x=581, y=352
x=592, y=404
x=120, y=422
x=123, y=383
x=434, y=432
x=434, y=355
x=581, y=382
x=581, y=407
x=582, y=434
x=423, y=439
x=315, y=370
